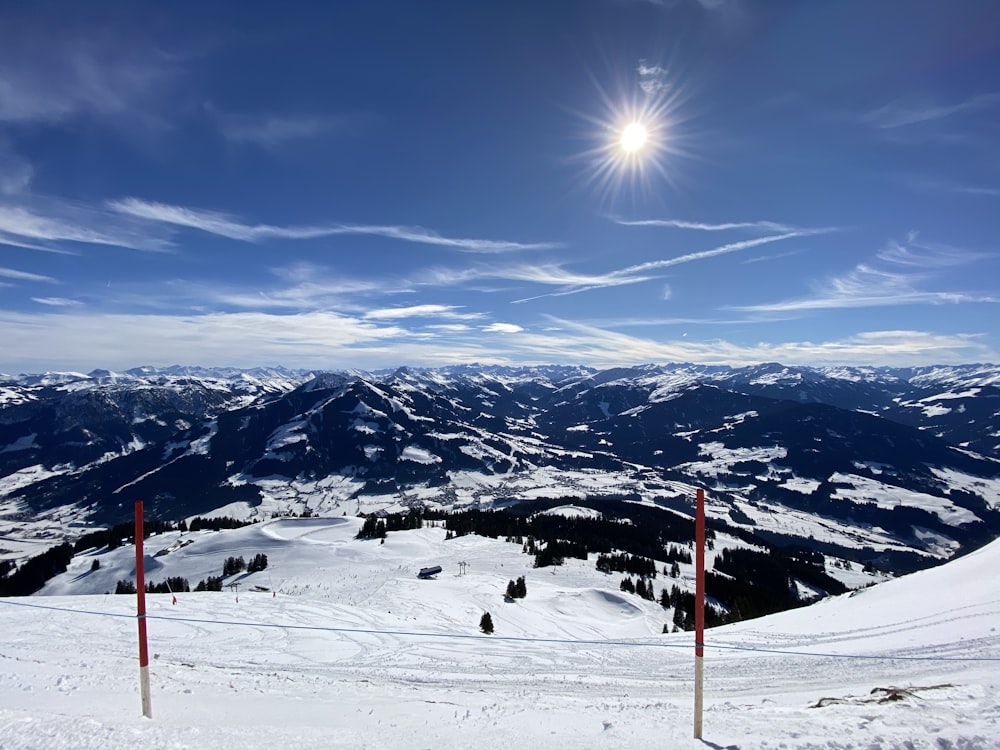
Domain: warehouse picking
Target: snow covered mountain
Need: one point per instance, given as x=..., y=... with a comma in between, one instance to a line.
x=347, y=648
x=886, y=466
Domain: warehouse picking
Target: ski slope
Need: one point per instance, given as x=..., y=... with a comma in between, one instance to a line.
x=351, y=650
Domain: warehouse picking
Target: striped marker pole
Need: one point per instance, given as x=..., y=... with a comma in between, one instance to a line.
x=140, y=593
x=699, y=612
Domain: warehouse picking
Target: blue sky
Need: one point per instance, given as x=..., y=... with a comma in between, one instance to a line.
x=367, y=185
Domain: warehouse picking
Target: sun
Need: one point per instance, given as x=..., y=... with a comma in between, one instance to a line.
x=630, y=145
x=633, y=137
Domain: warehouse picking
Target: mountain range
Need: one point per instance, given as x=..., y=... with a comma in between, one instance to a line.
x=898, y=468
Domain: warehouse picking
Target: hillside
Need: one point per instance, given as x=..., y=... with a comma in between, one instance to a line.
x=352, y=651
x=896, y=468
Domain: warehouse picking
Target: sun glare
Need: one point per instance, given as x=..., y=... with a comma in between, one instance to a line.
x=633, y=137
x=633, y=134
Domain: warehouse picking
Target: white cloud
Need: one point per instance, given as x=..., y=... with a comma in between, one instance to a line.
x=598, y=347
x=918, y=254
x=902, y=113
x=449, y=327
x=88, y=340
x=764, y=226
x=768, y=257
x=653, y=79
x=502, y=328
x=82, y=341
x=53, y=220
x=576, y=284
x=10, y=273
x=57, y=302
x=224, y=225
x=868, y=285
x=732, y=247
x=421, y=311
x=6, y=239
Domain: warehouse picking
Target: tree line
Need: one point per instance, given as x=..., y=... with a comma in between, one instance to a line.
x=377, y=526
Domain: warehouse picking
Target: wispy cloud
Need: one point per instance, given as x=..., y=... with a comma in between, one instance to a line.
x=898, y=279
x=57, y=302
x=902, y=113
x=51, y=74
x=761, y=226
x=323, y=291
x=224, y=225
x=52, y=220
x=11, y=273
x=271, y=130
x=642, y=271
x=918, y=253
x=452, y=312
x=274, y=130
x=767, y=258
x=653, y=79
x=868, y=287
x=449, y=327
x=87, y=340
x=732, y=247
x=945, y=186
x=660, y=322
x=15, y=172
x=552, y=274
x=570, y=283
x=6, y=239
x=82, y=340
x=502, y=328
x=571, y=341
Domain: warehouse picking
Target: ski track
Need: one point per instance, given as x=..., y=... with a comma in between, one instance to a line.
x=279, y=679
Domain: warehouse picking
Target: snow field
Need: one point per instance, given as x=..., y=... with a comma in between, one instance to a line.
x=356, y=652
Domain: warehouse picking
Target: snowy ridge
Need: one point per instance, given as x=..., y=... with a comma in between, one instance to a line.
x=886, y=460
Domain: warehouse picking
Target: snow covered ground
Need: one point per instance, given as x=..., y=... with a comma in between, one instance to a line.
x=353, y=651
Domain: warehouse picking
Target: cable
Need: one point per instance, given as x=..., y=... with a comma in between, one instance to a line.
x=869, y=657
x=516, y=639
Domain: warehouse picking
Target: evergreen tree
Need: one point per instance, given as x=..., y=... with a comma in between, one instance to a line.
x=125, y=586
x=486, y=623
x=516, y=589
x=234, y=565
x=32, y=574
x=212, y=583
x=511, y=590
x=96, y=565
x=521, y=588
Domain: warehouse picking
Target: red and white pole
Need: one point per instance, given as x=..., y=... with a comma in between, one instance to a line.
x=140, y=593
x=699, y=611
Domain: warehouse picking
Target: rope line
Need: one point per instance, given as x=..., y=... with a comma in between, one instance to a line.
x=516, y=639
